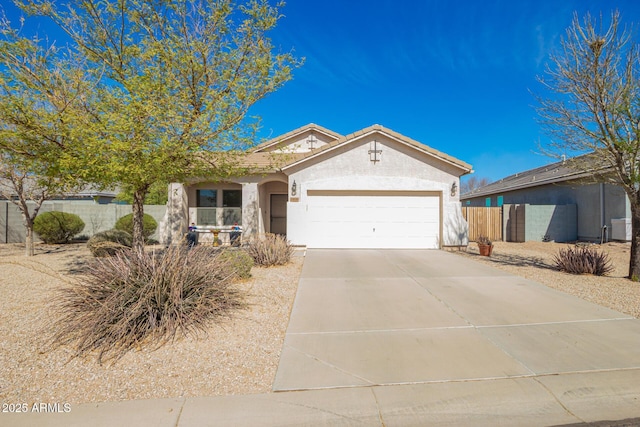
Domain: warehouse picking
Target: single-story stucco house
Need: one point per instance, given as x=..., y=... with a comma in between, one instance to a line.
x=374, y=188
x=557, y=203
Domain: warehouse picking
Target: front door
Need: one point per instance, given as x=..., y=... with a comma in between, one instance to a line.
x=279, y=214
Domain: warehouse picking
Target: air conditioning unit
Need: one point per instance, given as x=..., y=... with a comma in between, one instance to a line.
x=621, y=229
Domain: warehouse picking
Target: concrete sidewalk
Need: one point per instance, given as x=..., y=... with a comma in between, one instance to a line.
x=419, y=338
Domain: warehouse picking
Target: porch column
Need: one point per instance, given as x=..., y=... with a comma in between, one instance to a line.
x=175, y=222
x=250, y=209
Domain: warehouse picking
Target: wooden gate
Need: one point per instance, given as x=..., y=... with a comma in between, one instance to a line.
x=483, y=222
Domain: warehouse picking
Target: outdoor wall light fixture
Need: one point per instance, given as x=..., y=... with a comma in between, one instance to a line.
x=294, y=188
x=454, y=189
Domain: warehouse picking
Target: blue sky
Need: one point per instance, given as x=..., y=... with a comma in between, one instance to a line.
x=455, y=75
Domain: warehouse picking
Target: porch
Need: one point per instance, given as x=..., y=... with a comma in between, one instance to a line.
x=254, y=204
x=215, y=225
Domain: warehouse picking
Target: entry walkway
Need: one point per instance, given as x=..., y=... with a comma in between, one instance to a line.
x=405, y=338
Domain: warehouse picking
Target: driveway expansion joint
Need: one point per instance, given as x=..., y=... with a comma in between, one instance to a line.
x=561, y=322
x=373, y=331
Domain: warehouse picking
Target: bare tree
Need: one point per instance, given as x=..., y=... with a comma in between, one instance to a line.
x=473, y=183
x=594, y=107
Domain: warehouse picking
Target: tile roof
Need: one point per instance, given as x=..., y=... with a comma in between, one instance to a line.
x=269, y=161
x=394, y=135
x=302, y=129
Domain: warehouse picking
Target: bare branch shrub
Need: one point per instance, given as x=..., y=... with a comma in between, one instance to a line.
x=583, y=260
x=270, y=249
x=138, y=298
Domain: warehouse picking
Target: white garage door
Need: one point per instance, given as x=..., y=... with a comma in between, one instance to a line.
x=373, y=219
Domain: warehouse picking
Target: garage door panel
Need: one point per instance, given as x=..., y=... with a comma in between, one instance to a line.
x=355, y=221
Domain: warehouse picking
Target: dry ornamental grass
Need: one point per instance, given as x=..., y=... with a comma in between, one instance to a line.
x=145, y=298
x=237, y=355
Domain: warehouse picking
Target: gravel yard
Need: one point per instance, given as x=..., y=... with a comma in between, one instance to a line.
x=534, y=260
x=238, y=356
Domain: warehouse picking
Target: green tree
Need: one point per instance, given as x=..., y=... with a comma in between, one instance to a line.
x=594, y=108
x=177, y=80
x=157, y=195
x=41, y=94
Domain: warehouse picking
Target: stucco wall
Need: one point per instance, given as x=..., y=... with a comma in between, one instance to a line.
x=550, y=194
x=96, y=217
x=586, y=197
x=299, y=144
x=524, y=223
x=557, y=223
x=400, y=168
x=616, y=206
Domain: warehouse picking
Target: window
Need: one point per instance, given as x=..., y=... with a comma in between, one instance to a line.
x=487, y=202
x=232, y=198
x=207, y=198
x=500, y=201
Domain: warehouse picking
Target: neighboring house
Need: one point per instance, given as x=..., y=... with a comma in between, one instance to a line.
x=559, y=203
x=374, y=188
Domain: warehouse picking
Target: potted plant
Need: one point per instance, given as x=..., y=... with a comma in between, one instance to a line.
x=485, y=246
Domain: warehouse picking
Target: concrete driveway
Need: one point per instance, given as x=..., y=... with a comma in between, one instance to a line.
x=433, y=334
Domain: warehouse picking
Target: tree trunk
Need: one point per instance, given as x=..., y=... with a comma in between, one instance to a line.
x=29, y=250
x=634, y=261
x=138, y=218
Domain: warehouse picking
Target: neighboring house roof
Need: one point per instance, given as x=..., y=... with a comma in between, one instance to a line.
x=86, y=192
x=543, y=175
x=91, y=194
x=281, y=138
x=92, y=191
x=303, y=157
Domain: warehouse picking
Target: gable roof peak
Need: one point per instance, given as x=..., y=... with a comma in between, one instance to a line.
x=308, y=127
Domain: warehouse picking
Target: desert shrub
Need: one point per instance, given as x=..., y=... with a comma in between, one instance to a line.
x=239, y=261
x=270, y=249
x=483, y=240
x=149, y=225
x=142, y=298
x=108, y=243
x=583, y=260
x=57, y=227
